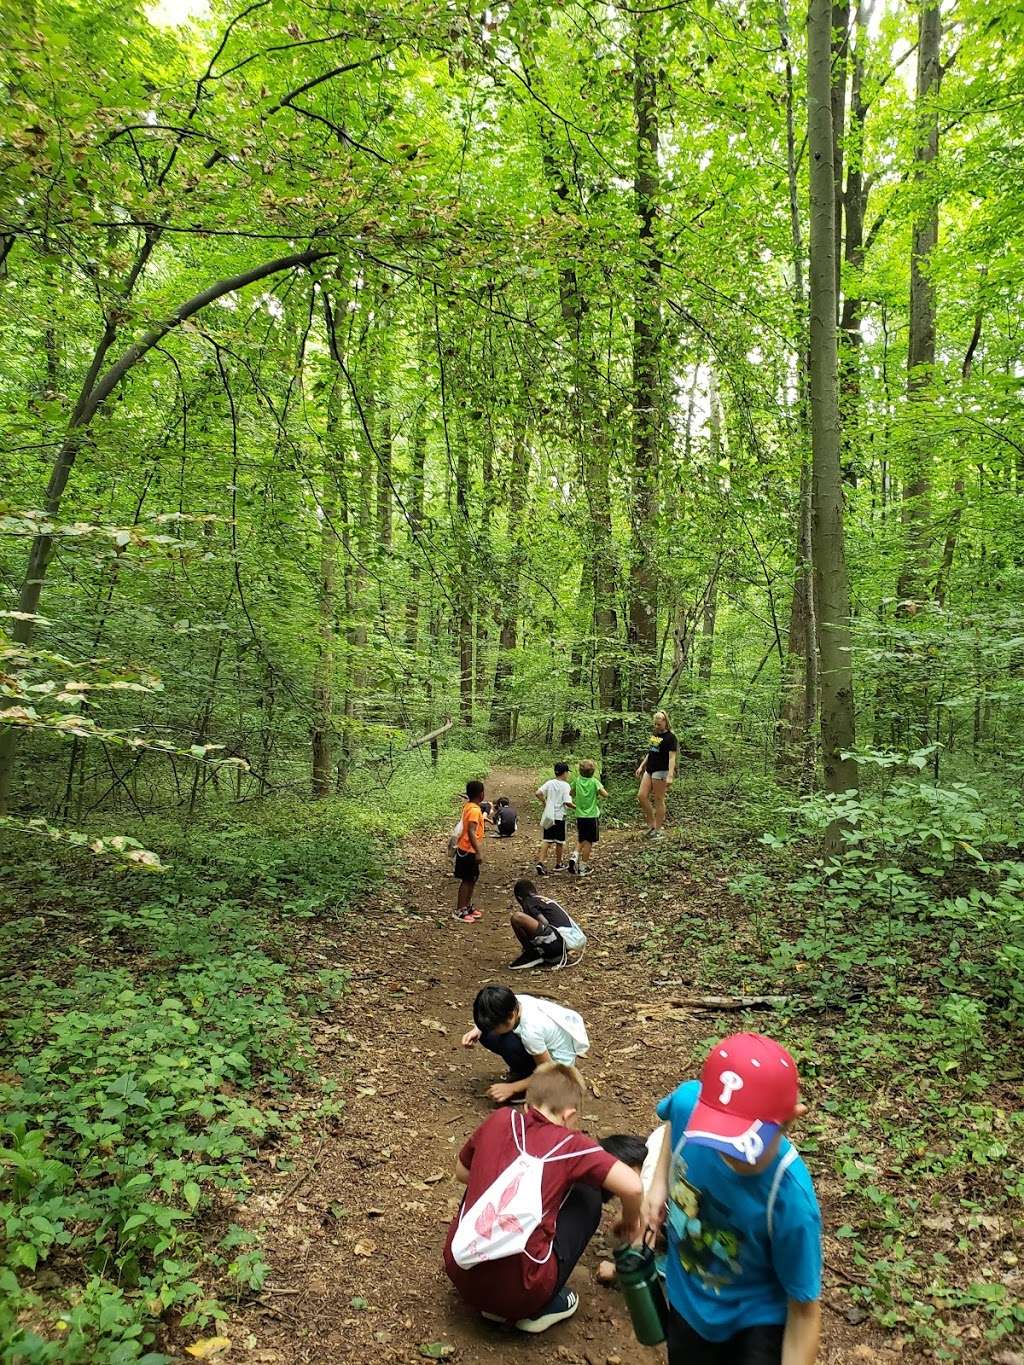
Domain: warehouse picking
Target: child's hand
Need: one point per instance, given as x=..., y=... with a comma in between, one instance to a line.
x=655, y=1202
x=628, y=1231
x=473, y=1036
x=502, y=1091
x=640, y=771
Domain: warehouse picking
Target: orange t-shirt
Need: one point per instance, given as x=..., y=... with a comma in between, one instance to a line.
x=471, y=815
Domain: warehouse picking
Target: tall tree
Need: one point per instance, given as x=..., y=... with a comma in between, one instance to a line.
x=832, y=587
x=916, y=511
x=647, y=383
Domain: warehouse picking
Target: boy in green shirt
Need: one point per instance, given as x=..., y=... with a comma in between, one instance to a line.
x=585, y=792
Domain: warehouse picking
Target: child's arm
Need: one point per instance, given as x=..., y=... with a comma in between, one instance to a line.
x=540, y=794
x=803, y=1332
x=473, y=1036
x=601, y=791
x=657, y=1195
x=461, y=1174
x=624, y=1182
x=502, y=1091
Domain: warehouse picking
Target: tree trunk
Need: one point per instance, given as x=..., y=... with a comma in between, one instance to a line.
x=855, y=207
x=647, y=402
x=323, y=679
x=840, y=56
x=799, y=694
x=508, y=594
x=916, y=511
x=832, y=589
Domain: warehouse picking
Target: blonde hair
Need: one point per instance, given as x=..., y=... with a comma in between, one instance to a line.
x=664, y=716
x=588, y=767
x=555, y=1087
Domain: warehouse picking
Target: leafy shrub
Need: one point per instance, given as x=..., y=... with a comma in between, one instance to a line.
x=156, y=1027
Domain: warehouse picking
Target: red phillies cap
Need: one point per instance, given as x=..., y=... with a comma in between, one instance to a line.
x=748, y=1090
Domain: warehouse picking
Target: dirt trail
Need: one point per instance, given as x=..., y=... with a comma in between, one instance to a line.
x=354, y=1234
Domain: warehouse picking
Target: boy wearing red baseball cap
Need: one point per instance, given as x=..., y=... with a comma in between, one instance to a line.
x=743, y=1271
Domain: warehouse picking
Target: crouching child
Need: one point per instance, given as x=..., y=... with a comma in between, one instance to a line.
x=533, y=1201
x=547, y=933
x=525, y=1031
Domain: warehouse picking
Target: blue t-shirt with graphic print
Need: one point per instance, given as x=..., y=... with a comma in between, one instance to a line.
x=724, y=1273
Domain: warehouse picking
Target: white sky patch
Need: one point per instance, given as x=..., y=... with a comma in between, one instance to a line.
x=176, y=13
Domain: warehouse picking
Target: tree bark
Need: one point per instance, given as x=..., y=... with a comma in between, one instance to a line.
x=831, y=578
x=501, y=703
x=916, y=509
x=647, y=399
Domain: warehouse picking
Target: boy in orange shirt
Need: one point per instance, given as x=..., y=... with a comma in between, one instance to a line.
x=467, y=852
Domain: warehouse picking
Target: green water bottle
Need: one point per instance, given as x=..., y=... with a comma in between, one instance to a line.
x=641, y=1288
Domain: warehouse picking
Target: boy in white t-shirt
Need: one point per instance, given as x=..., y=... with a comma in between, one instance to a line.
x=525, y=1031
x=556, y=795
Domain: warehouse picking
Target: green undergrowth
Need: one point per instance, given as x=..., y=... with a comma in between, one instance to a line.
x=155, y=1025
x=900, y=964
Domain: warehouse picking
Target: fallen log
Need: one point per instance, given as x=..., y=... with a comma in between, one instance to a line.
x=434, y=734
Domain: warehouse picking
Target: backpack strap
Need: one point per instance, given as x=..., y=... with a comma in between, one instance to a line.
x=555, y=1154
x=773, y=1193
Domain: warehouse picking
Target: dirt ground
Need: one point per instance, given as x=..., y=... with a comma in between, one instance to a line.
x=354, y=1232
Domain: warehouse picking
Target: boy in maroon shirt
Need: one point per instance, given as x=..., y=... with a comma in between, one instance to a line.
x=528, y=1289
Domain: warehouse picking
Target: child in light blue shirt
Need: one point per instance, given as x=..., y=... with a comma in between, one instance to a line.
x=743, y=1230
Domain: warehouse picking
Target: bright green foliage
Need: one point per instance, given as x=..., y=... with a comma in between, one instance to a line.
x=157, y=1027
x=899, y=963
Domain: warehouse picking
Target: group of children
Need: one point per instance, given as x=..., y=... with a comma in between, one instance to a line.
x=717, y=1183
x=558, y=796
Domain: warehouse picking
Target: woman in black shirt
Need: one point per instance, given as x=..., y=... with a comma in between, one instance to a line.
x=657, y=771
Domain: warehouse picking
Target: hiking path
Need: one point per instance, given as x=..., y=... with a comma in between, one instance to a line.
x=354, y=1232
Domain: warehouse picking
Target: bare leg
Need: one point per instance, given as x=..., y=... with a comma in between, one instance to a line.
x=524, y=926
x=658, y=792
x=560, y=853
x=465, y=895
x=643, y=797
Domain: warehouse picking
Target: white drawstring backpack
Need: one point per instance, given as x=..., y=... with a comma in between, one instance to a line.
x=510, y=1210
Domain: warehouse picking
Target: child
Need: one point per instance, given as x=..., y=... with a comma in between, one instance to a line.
x=521, y=1279
x=525, y=1032
x=467, y=852
x=641, y=1155
x=505, y=818
x=585, y=791
x=557, y=798
x=743, y=1270
x=547, y=932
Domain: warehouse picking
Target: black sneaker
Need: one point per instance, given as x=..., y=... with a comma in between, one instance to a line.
x=526, y=959
x=562, y=1306
x=541, y=870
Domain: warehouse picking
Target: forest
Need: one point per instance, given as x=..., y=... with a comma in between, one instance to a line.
x=397, y=393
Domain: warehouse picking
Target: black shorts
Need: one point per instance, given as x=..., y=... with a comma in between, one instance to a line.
x=467, y=866
x=754, y=1346
x=587, y=829
x=555, y=834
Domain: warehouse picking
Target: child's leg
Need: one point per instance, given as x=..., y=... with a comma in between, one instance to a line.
x=509, y=1047
x=578, y=1220
x=465, y=898
x=524, y=926
x=583, y=849
x=560, y=854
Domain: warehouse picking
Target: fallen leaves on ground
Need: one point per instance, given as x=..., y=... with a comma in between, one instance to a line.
x=207, y=1347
